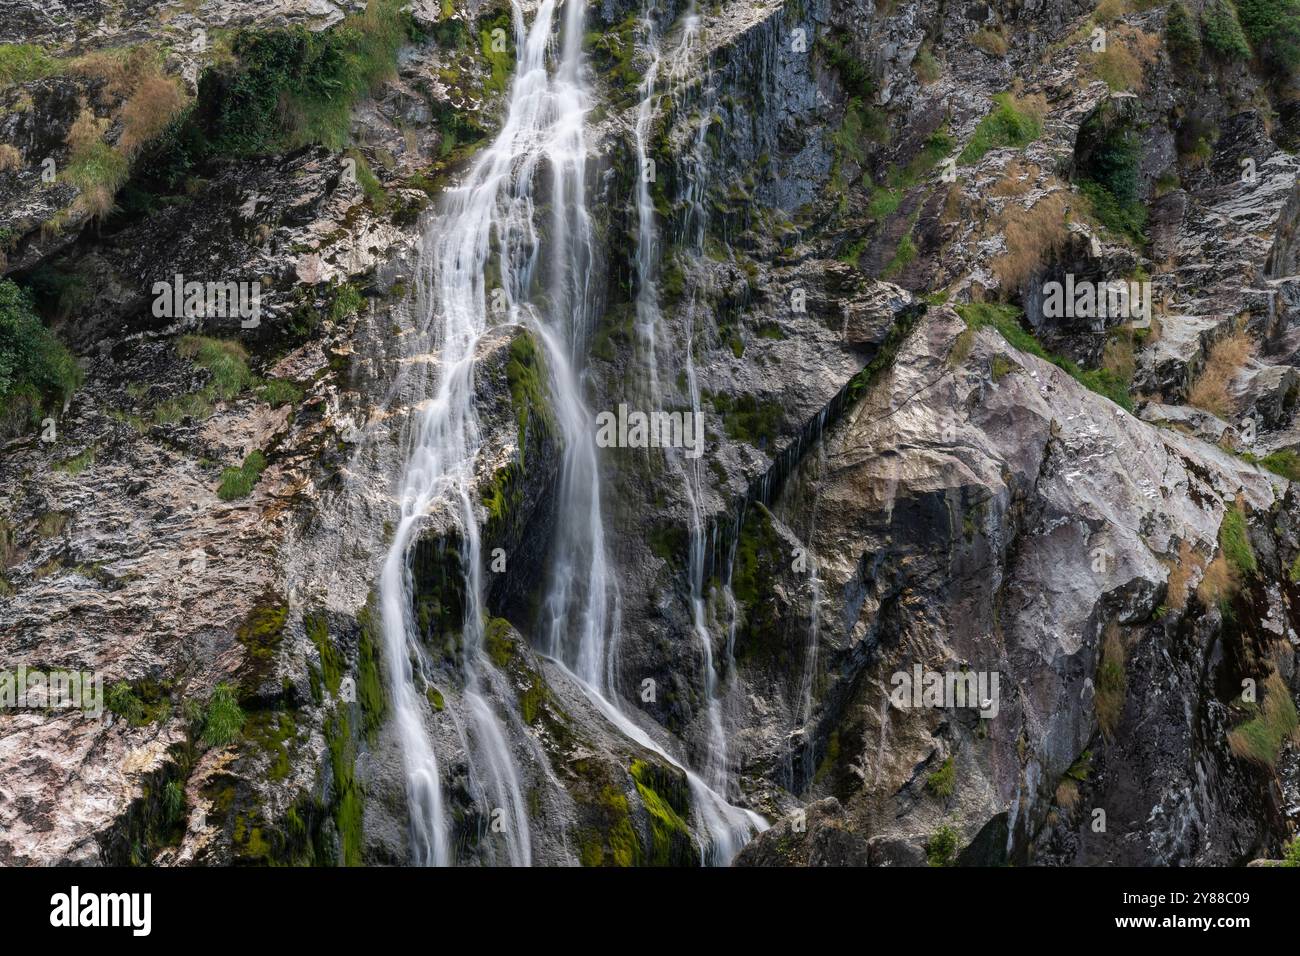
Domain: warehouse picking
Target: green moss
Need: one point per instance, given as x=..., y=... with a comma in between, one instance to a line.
x=664, y=796
x=746, y=418
x=348, y=801
x=500, y=62
x=371, y=694
x=497, y=642
x=274, y=732
x=527, y=380
x=317, y=627
x=260, y=635
x=943, y=781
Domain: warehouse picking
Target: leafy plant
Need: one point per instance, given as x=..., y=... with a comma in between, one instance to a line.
x=36, y=371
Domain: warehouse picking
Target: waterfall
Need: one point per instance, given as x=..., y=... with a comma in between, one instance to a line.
x=728, y=828
x=489, y=215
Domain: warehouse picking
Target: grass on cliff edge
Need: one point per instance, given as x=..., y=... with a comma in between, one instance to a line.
x=1006, y=320
x=1260, y=739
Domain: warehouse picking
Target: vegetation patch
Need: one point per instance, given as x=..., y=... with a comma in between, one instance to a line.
x=1006, y=319
x=222, y=717
x=1111, y=682
x=943, y=781
x=37, y=374
x=1012, y=122
x=239, y=482
x=1261, y=738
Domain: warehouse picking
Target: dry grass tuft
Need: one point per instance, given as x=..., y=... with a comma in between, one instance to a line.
x=992, y=42
x=1067, y=795
x=10, y=158
x=155, y=102
x=1030, y=235
x=1181, y=572
x=1227, y=356
x=1218, y=583
x=1111, y=683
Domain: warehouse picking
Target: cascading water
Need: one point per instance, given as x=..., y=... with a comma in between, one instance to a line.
x=491, y=213
x=728, y=827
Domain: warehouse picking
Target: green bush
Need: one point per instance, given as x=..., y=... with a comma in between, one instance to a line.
x=222, y=718
x=1273, y=26
x=36, y=371
x=287, y=88
x=1108, y=171
x=1223, y=33
x=1182, y=36
x=941, y=848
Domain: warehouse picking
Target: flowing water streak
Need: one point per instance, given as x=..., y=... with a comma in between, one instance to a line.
x=491, y=213
x=581, y=608
x=728, y=827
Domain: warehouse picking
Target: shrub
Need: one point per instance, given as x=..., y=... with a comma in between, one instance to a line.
x=1291, y=853
x=941, y=848
x=1273, y=26
x=926, y=67
x=1011, y=122
x=1182, y=36
x=943, y=781
x=36, y=371
x=1030, y=235
x=991, y=42
x=1222, y=31
x=222, y=718
x=150, y=110
x=226, y=359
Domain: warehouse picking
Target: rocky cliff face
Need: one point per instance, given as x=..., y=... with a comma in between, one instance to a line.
x=916, y=466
